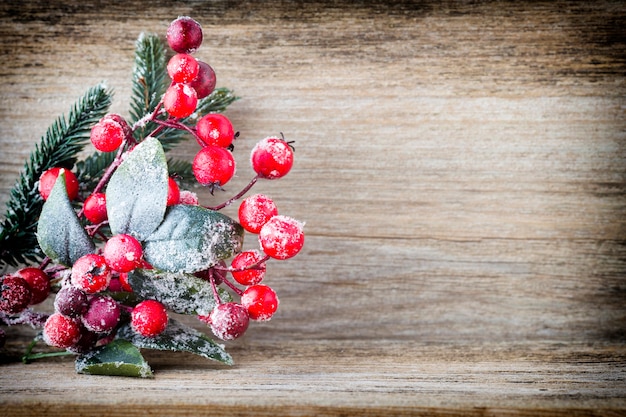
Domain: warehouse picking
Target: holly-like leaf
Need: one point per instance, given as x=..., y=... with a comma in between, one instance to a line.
x=137, y=191
x=118, y=358
x=178, y=337
x=59, y=232
x=192, y=238
x=179, y=292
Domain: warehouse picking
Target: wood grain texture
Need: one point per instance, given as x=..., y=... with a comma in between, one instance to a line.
x=461, y=168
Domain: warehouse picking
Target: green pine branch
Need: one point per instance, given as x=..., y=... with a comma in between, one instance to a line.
x=59, y=147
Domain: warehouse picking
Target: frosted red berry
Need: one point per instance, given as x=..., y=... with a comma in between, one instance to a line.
x=38, y=282
x=282, y=237
x=255, y=211
x=102, y=315
x=229, y=321
x=180, y=100
x=189, y=198
x=49, y=177
x=61, y=331
x=182, y=68
x=108, y=134
x=173, y=192
x=260, y=301
x=184, y=34
x=71, y=301
x=205, y=81
x=149, y=318
x=213, y=165
x=272, y=158
x=95, y=208
x=215, y=129
x=15, y=294
x=123, y=253
x=242, y=272
x=124, y=282
x=91, y=274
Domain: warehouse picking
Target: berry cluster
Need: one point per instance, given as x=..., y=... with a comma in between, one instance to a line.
x=88, y=311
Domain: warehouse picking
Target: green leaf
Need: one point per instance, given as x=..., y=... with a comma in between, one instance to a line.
x=179, y=292
x=118, y=358
x=59, y=233
x=137, y=191
x=192, y=238
x=179, y=338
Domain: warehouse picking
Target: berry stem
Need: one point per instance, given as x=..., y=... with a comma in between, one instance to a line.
x=237, y=196
x=216, y=294
x=233, y=287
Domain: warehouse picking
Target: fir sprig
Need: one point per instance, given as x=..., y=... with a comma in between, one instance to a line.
x=59, y=147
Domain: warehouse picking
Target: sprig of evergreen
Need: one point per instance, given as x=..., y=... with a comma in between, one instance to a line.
x=59, y=147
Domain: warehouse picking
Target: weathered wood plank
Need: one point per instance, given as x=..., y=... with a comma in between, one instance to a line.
x=461, y=170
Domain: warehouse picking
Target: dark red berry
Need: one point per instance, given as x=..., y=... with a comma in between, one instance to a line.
x=49, y=177
x=229, y=321
x=271, y=158
x=182, y=68
x=242, y=261
x=218, y=272
x=38, y=282
x=255, y=211
x=213, y=165
x=61, y=331
x=204, y=83
x=91, y=274
x=71, y=301
x=173, y=192
x=184, y=35
x=149, y=318
x=15, y=294
x=108, y=134
x=102, y=315
x=281, y=237
x=260, y=301
x=95, y=208
x=180, y=100
x=123, y=253
x=215, y=129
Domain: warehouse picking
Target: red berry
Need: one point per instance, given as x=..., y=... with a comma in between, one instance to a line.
x=61, y=331
x=15, y=294
x=102, y=315
x=281, y=237
x=91, y=274
x=123, y=253
x=180, y=100
x=228, y=321
x=182, y=68
x=173, y=192
x=149, y=318
x=250, y=276
x=255, y=211
x=38, y=282
x=48, y=178
x=204, y=83
x=108, y=134
x=184, y=35
x=271, y=158
x=260, y=301
x=215, y=129
x=95, y=208
x=71, y=301
x=188, y=197
x=213, y=165
x=124, y=282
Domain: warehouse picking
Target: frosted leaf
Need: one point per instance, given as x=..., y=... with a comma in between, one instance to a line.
x=178, y=337
x=137, y=191
x=192, y=238
x=180, y=293
x=118, y=358
x=59, y=232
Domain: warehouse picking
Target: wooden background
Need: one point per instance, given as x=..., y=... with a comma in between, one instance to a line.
x=461, y=168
